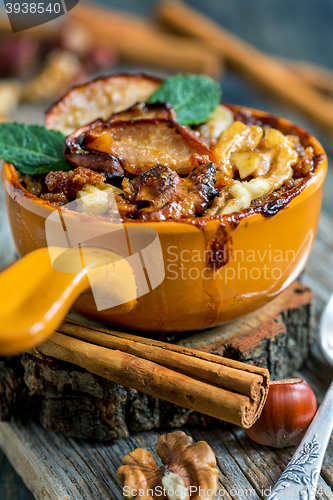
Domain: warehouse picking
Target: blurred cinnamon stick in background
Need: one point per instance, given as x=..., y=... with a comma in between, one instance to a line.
x=255, y=64
x=201, y=48
x=140, y=41
x=317, y=76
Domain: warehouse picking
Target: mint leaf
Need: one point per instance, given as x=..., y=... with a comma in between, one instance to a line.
x=33, y=149
x=55, y=167
x=193, y=97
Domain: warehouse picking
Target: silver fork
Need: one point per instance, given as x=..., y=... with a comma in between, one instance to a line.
x=300, y=478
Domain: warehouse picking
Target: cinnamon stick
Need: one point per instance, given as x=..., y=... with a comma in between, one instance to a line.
x=189, y=384
x=254, y=63
x=229, y=374
x=317, y=76
x=141, y=42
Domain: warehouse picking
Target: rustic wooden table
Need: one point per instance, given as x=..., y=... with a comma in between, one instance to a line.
x=57, y=468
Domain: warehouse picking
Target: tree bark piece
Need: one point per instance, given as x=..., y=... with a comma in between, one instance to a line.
x=68, y=399
x=159, y=381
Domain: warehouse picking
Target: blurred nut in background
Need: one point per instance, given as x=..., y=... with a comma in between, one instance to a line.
x=10, y=94
x=59, y=72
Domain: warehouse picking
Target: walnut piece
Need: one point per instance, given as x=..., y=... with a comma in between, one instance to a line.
x=280, y=169
x=188, y=470
x=244, y=193
x=268, y=159
x=238, y=137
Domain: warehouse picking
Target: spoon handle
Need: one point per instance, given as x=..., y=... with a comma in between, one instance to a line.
x=300, y=478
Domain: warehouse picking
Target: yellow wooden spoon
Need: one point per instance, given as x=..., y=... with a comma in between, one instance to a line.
x=37, y=291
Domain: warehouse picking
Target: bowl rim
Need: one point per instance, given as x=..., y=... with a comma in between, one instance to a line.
x=11, y=175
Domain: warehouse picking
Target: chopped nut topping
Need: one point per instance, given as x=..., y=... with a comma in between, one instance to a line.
x=238, y=137
x=244, y=193
x=70, y=183
x=280, y=169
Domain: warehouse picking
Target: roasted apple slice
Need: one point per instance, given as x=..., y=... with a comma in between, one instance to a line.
x=143, y=110
x=99, y=99
x=97, y=161
x=140, y=144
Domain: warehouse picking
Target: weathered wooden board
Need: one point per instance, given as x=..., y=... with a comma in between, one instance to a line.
x=55, y=467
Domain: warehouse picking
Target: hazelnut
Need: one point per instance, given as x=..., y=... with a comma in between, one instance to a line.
x=288, y=411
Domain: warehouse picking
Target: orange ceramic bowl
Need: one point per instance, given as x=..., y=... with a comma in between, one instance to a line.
x=216, y=269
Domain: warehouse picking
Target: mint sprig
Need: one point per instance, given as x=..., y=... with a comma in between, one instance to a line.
x=193, y=97
x=33, y=149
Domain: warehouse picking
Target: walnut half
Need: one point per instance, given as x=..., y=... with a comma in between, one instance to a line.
x=188, y=470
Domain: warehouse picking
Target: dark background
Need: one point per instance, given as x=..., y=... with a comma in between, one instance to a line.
x=295, y=29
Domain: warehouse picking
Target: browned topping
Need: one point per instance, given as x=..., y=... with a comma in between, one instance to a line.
x=126, y=208
x=157, y=186
x=170, y=196
x=73, y=181
x=302, y=168
x=288, y=184
x=245, y=115
x=129, y=187
x=32, y=184
x=222, y=181
x=55, y=198
x=167, y=172
x=100, y=162
x=185, y=465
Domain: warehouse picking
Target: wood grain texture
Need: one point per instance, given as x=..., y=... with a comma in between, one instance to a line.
x=11, y=486
x=57, y=468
